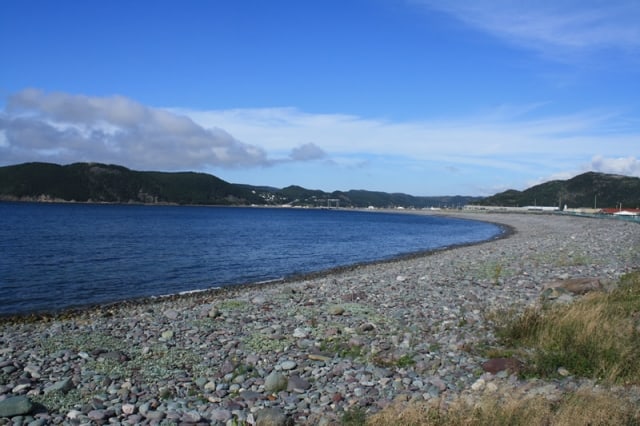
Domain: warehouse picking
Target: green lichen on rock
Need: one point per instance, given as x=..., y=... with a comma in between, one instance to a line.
x=79, y=342
x=260, y=343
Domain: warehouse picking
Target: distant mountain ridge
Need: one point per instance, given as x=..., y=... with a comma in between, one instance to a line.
x=591, y=189
x=107, y=183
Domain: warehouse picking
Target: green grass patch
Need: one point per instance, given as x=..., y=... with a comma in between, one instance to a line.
x=564, y=258
x=79, y=342
x=160, y=363
x=62, y=402
x=232, y=305
x=405, y=361
x=354, y=416
x=261, y=343
x=493, y=271
x=341, y=348
x=596, y=337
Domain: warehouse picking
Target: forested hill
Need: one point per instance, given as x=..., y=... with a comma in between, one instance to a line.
x=589, y=189
x=94, y=182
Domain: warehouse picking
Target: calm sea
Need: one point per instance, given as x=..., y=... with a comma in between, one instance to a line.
x=56, y=256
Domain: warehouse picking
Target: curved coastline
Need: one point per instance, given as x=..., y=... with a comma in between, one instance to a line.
x=233, y=288
x=339, y=338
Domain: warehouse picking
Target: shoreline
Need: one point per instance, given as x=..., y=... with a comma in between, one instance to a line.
x=313, y=347
x=505, y=232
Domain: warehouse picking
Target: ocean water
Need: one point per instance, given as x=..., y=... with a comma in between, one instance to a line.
x=57, y=256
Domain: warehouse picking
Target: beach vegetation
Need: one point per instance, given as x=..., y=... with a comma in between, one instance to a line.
x=497, y=273
x=435, y=347
x=341, y=348
x=260, y=343
x=493, y=271
x=159, y=363
x=405, y=361
x=245, y=371
x=564, y=258
x=354, y=416
x=402, y=361
x=579, y=408
x=62, y=401
x=232, y=304
x=597, y=336
x=79, y=342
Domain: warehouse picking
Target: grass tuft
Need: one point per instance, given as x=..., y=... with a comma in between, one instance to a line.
x=596, y=337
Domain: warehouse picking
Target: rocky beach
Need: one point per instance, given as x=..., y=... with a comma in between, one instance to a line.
x=306, y=351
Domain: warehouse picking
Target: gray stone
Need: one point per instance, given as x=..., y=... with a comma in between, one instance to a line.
x=273, y=417
x=134, y=419
x=117, y=356
x=297, y=383
x=63, y=386
x=190, y=417
x=220, y=415
x=336, y=310
x=171, y=314
x=154, y=415
x=21, y=388
x=259, y=300
x=128, y=409
x=96, y=415
x=579, y=285
x=15, y=406
x=288, y=365
x=74, y=414
x=300, y=333
x=367, y=326
x=275, y=382
x=33, y=370
x=251, y=396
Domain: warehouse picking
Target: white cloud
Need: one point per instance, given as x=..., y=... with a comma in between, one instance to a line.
x=499, y=147
x=498, y=139
x=629, y=166
x=64, y=128
x=553, y=27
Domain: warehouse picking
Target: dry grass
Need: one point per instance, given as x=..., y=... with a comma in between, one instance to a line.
x=597, y=337
x=581, y=408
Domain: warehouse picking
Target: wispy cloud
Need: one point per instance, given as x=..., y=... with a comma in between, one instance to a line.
x=308, y=151
x=507, y=138
x=556, y=27
x=61, y=127
x=509, y=144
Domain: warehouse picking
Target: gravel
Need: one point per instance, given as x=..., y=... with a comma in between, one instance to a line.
x=306, y=351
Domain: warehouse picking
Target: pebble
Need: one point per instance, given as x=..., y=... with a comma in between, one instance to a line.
x=305, y=351
x=15, y=406
x=275, y=382
x=288, y=365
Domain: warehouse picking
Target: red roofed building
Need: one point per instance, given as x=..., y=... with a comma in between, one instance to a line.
x=621, y=212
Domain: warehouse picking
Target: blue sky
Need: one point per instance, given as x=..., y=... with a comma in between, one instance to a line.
x=418, y=96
